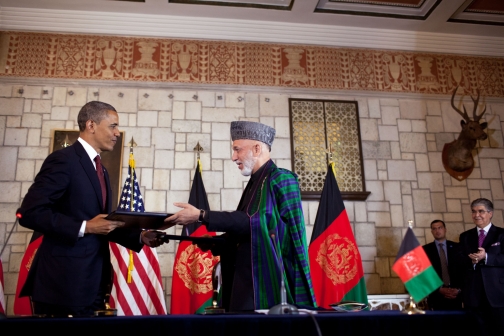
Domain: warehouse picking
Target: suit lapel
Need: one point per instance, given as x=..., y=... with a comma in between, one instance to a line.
x=109, y=191
x=490, y=237
x=436, y=261
x=449, y=248
x=90, y=170
x=472, y=238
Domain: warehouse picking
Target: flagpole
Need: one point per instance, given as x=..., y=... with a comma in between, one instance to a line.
x=411, y=308
x=198, y=149
x=138, y=289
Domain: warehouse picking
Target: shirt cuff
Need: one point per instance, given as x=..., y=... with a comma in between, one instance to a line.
x=82, y=229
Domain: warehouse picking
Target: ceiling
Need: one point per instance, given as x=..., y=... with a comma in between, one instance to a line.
x=455, y=26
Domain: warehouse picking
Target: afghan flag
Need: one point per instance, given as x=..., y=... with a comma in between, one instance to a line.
x=22, y=305
x=414, y=268
x=192, y=270
x=335, y=261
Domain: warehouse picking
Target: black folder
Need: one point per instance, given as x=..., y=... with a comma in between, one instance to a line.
x=141, y=220
x=195, y=240
x=155, y=221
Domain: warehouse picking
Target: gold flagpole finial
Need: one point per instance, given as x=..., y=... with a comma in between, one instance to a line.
x=198, y=149
x=410, y=224
x=66, y=143
x=132, y=144
x=330, y=153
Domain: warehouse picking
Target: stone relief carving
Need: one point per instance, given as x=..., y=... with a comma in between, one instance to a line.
x=146, y=67
x=184, y=61
x=426, y=82
x=108, y=62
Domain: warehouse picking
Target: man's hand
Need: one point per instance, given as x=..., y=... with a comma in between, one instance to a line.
x=152, y=238
x=478, y=256
x=205, y=246
x=187, y=215
x=99, y=225
x=449, y=293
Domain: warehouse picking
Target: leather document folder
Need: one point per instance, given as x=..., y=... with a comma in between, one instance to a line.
x=141, y=220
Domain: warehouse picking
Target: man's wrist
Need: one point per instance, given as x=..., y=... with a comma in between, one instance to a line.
x=201, y=217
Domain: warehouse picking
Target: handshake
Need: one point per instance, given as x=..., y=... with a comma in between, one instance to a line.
x=155, y=238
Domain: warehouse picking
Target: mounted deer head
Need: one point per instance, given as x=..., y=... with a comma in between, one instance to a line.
x=458, y=154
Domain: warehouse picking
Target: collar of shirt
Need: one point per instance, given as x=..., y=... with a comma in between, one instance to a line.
x=486, y=228
x=441, y=242
x=89, y=150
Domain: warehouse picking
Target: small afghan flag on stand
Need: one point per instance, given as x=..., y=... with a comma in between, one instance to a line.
x=22, y=305
x=414, y=268
x=192, y=270
x=335, y=261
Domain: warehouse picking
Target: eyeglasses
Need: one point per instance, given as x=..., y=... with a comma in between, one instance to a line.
x=481, y=212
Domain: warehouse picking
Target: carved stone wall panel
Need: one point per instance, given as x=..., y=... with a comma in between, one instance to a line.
x=392, y=72
x=184, y=61
x=69, y=58
x=241, y=64
x=260, y=64
x=361, y=70
x=488, y=78
x=45, y=55
x=222, y=63
x=294, y=64
x=31, y=54
x=427, y=76
x=165, y=59
x=453, y=71
x=327, y=74
x=109, y=58
x=8, y=57
x=501, y=74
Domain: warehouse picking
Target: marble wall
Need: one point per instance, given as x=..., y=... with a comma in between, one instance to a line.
x=402, y=139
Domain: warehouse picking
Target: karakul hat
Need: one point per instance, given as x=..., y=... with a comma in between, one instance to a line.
x=252, y=131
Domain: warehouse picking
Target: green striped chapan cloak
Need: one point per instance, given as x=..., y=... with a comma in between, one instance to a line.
x=276, y=208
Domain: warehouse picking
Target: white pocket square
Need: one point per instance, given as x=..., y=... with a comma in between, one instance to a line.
x=496, y=244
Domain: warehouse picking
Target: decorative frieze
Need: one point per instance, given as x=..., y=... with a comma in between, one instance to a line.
x=44, y=55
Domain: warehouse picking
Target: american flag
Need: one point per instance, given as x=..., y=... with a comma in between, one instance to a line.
x=2, y=299
x=137, y=287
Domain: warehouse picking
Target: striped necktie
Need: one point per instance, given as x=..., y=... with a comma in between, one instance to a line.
x=444, y=265
x=481, y=237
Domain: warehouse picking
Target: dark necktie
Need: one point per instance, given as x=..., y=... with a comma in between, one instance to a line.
x=444, y=265
x=481, y=237
x=101, y=178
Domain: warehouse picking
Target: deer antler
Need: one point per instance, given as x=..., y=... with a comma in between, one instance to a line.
x=464, y=115
x=475, y=109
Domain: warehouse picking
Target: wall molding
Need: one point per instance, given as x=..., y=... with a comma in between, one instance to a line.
x=127, y=24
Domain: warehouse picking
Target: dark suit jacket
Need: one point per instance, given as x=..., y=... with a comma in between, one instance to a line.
x=68, y=270
x=486, y=279
x=436, y=300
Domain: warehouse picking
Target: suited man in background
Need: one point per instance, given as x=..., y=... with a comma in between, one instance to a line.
x=483, y=258
x=443, y=255
x=68, y=203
